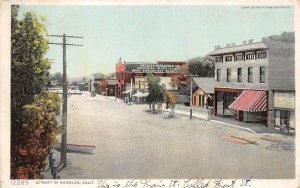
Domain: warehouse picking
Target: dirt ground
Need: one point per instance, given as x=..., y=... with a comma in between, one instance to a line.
x=134, y=143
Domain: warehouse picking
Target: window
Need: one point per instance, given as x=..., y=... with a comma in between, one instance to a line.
x=261, y=55
x=239, y=57
x=202, y=100
x=239, y=78
x=262, y=75
x=218, y=75
x=228, y=75
x=249, y=56
x=228, y=58
x=218, y=59
x=250, y=74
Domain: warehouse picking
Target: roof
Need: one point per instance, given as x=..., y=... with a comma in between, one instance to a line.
x=251, y=100
x=111, y=82
x=127, y=63
x=207, y=84
x=239, y=48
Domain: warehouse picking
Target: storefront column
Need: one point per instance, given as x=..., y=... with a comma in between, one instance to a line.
x=270, y=114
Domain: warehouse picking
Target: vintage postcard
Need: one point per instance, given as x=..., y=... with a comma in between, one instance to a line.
x=151, y=94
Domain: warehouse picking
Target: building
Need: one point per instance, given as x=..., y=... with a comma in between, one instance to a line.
x=111, y=89
x=105, y=86
x=203, y=97
x=131, y=76
x=255, y=82
x=202, y=92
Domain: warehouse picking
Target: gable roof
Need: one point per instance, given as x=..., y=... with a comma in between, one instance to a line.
x=239, y=48
x=207, y=84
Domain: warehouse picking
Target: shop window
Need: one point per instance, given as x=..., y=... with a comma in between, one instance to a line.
x=250, y=74
x=219, y=103
x=284, y=120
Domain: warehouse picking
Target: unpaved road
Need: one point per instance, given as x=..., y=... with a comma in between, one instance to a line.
x=133, y=143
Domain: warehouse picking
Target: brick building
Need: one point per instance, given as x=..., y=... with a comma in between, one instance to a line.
x=255, y=82
x=132, y=75
x=105, y=86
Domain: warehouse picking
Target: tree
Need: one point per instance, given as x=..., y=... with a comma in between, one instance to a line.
x=285, y=36
x=179, y=80
x=110, y=75
x=29, y=67
x=99, y=75
x=74, y=83
x=57, y=77
x=171, y=101
x=156, y=90
x=33, y=121
x=104, y=76
x=84, y=80
x=201, y=66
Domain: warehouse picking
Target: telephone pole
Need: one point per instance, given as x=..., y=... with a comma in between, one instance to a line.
x=63, y=149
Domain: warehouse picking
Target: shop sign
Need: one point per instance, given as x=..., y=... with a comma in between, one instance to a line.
x=151, y=68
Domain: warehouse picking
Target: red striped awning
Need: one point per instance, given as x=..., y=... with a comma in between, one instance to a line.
x=251, y=100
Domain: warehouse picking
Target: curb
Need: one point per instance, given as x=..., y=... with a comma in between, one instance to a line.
x=214, y=121
x=234, y=126
x=184, y=113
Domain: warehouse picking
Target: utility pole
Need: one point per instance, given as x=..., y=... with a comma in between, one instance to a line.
x=63, y=148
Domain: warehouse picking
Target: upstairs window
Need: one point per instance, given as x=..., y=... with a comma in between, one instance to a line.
x=239, y=57
x=262, y=74
x=228, y=75
x=250, y=74
x=239, y=78
x=218, y=75
x=228, y=58
x=218, y=59
x=261, y=55
x=250, y=56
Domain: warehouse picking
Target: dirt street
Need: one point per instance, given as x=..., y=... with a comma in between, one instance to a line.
x=133, y=143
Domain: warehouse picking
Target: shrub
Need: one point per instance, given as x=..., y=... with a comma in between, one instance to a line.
x=35, y=137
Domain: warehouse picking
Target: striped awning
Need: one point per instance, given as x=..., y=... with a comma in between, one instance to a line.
x=251, y=100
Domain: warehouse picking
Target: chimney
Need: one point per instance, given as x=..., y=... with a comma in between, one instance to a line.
x=263, y=39
x=232, y=44
x=244, y=42
x=219, y=46
x=228, y=45
x=250, y=41
x=216, y=47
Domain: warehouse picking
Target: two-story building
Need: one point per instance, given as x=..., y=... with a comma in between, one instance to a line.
x=131, y=76
x=252, y=78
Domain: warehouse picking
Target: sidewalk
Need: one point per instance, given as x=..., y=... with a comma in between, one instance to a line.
x=194, y=114
x=203, y=114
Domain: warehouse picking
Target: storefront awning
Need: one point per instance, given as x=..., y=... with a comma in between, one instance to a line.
x=140, y=94
x=250, y=100
x=128, y=91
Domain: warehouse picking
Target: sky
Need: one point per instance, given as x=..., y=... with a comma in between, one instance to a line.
x=152, y=33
